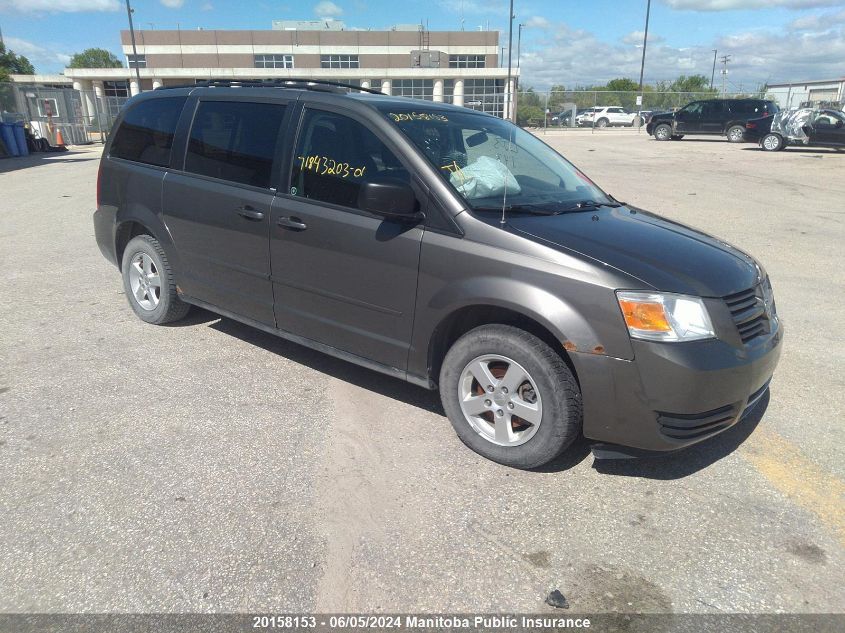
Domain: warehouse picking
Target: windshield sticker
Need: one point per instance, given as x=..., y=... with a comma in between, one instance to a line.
x=418, y=116
x=323, y=165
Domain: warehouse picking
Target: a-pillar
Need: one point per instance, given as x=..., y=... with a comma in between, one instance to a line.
x=438, y=90
x=458, y=93
x=386, y=86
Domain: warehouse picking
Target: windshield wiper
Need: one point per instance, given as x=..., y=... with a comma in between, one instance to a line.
x=516, y=208
x=586, y=205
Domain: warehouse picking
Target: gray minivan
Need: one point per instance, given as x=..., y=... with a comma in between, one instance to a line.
x=441, y=246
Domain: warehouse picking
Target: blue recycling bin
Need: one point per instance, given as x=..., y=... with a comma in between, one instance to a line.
x=20, y=138
x=7, y=132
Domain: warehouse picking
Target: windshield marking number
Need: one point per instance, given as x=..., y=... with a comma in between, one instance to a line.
x=322, y=166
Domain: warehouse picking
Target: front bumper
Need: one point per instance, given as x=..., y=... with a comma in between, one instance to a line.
x=673, y=395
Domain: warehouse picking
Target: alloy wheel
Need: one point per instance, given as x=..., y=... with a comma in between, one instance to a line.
x=500, y=400
x=144, y=281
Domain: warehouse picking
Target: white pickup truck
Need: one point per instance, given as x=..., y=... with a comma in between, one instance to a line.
x=606, y=116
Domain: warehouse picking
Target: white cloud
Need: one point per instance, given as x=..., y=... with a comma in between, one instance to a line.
x=58, y=6
x=327, y=9
x=734, y=5
x=207, y=7
x=758, y=56
x=173, y=4
x=636, y=38
x=38, y=55
x=817, y=21
x=537, y=22
x=475, y=7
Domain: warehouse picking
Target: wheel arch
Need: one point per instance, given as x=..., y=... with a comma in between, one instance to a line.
x=142, y=222
x=461, y=320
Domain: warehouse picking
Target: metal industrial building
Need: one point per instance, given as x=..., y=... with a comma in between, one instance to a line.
x=816, y=93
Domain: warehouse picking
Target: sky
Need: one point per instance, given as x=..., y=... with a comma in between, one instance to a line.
x=564, y=42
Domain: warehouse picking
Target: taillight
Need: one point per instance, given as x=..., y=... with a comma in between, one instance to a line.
x=99, y=175
x=750, y=125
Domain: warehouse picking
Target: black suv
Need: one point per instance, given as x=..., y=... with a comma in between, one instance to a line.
x=440, y=246
x=723, y=117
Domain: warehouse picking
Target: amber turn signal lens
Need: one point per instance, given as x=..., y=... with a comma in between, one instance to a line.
x=645, y=316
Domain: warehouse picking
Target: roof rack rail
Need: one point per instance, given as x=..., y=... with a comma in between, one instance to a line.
x=308, y=84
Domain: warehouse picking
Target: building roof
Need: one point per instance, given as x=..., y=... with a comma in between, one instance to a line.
x=787, y=84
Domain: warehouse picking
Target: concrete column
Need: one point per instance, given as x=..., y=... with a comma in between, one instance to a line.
x=156, y=83
x=458, y=93
x=438, y=90
x=98, y=88
x=508, y=109
x=365, y=83
x=133, y=87
x=386, y=86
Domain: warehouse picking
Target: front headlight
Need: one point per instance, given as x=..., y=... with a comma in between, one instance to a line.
x=665, y=317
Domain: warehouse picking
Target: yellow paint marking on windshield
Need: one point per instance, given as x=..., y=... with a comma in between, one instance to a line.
x=454, y=168
x=418, y=116
x=806, y=484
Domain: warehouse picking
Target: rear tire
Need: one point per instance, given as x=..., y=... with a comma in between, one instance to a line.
x=526, y=376
x=148, y=282
x=771, y=143
x=663, y=132
x=736, y=134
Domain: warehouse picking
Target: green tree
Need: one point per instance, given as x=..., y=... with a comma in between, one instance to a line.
x=693, y=83
x=529, y=114
x=12, y=64
x=95, y=58
x=557, y=97
x=527, y=98
x=622, y=84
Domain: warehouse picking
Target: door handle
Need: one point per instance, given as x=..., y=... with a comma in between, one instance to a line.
x=249, y=213
x=292, y=223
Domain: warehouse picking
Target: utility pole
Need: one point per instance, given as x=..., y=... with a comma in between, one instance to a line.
x=134, y=48
x=713, y=74
x=642, y=63
x=725, y=59
x=508, y=90
x=519, y=45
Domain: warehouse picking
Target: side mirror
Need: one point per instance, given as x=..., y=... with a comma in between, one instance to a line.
x=389, y=197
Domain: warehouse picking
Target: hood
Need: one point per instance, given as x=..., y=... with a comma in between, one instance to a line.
x=665, y=255
x=663, y=115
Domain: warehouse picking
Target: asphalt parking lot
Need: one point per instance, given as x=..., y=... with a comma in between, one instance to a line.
x=211, y=467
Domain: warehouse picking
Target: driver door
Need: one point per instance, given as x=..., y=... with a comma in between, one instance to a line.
x=342, y=276
x=828, y=129
x=688, y=118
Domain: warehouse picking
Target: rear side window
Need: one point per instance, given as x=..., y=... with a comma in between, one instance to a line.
x=146, y=133
x=235, y=141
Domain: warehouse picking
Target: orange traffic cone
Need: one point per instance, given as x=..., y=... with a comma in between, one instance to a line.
x=59, y=139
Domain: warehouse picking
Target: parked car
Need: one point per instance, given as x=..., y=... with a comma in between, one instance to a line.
x=563, y=118
x=803, y=127
x=606, y=116
x=440, y=246
x=723, y=117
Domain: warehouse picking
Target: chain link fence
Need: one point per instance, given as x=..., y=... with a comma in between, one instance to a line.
x=59, y=113
x=566, y=109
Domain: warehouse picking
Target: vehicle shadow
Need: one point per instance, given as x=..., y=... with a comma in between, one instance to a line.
x=690, y=460
x=13, y=163
x=829, y=151
x=336, y=368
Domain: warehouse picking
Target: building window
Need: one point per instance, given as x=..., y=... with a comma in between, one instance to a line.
x=414, y=88
x=467, y=61
x=136, y=61
x=274, y=61
x=116, y=88
x=485, y=95
x=339, y=61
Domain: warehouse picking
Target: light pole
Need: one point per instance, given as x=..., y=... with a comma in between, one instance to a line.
x=134, y=48
x=508, y=91
x=519, y=44
x=713, y=74
x=642, y=64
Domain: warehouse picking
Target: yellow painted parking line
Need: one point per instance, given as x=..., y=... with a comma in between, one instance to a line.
x=805, y=483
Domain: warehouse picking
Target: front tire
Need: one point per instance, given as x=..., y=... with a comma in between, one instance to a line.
x=510, y=397
x=148, y=282
x=736, y=134
x=771, y=143
x=663, y=132
x=602, y=123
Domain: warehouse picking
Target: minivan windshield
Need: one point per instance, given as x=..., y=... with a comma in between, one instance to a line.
x=494, y=165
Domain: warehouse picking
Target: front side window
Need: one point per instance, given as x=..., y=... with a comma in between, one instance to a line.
x=492, y=163
x=335, y=155
x=338, y=61
x=235, y=141
x=146, y=133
